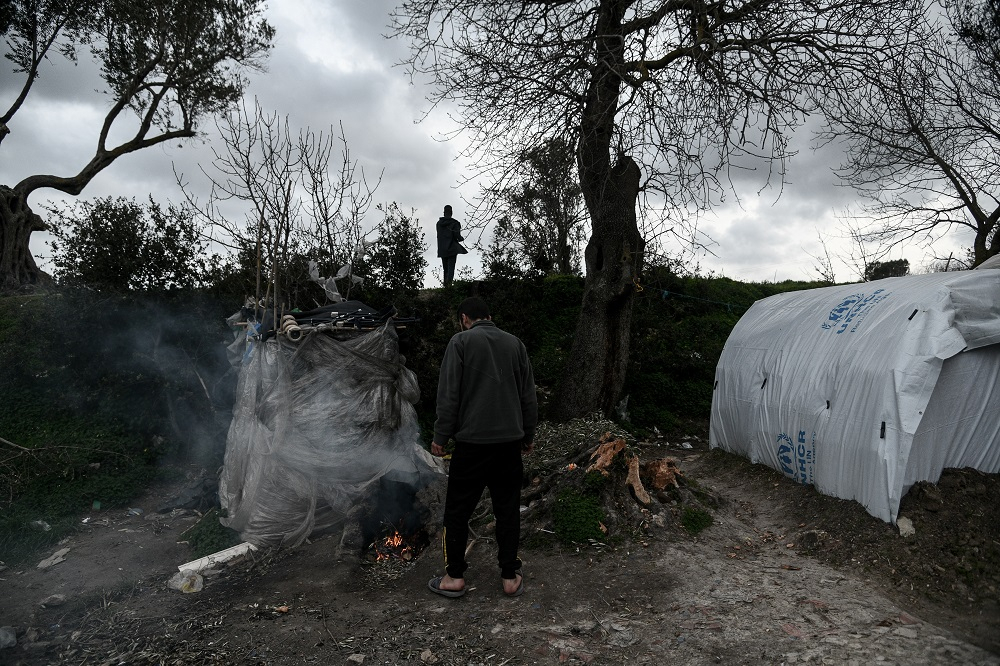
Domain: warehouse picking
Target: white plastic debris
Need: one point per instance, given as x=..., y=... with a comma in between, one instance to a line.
x=186, y=582
x=216, y=558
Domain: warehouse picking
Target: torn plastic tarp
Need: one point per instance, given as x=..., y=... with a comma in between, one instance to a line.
x=863, y=390
x=316, y=426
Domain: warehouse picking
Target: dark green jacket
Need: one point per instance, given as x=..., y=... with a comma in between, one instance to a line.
x=486, y=390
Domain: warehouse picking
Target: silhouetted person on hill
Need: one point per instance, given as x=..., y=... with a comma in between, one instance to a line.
x=449, y=234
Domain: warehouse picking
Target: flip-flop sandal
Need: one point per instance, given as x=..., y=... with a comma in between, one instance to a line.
x=519, y=591
x=434, y=585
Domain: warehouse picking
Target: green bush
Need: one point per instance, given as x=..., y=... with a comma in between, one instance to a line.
x=120, y=245
x=680, y=325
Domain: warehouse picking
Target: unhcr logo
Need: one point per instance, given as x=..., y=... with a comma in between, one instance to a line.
x=797, y=458
x=851, y=311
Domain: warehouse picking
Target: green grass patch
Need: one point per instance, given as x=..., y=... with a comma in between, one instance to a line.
x=577, y=518
x=61, y=463
x=594, y=482
x=695, y=521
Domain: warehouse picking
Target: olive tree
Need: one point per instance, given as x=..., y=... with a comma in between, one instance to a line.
x=123, y=246
x=661, y=98
x=165, y=65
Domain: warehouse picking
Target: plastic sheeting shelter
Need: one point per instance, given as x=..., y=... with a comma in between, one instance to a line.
x=323, y=429
x=863, y=390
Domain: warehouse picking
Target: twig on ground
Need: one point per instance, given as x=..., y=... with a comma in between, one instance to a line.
x=16, y=446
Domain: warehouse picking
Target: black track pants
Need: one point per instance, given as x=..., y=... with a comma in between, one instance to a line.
x=475, y=467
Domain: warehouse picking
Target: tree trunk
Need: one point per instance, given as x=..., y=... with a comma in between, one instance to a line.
x=17, y=221
x=595, y=375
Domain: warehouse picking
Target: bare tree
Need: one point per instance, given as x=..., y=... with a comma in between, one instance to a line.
x=281, y=199
x=922, y=129
x=824, y=262
x=660, y=98
x=170, y=63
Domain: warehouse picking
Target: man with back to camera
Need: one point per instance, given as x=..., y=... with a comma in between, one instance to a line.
x=486, y=402
x=448, y=235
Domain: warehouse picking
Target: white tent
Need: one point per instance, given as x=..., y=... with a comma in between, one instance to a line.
x=863, y=390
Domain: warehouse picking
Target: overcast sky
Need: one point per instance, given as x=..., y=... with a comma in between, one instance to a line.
x=331, y=64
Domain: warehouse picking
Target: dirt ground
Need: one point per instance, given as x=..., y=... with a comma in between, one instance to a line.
x=782, y=576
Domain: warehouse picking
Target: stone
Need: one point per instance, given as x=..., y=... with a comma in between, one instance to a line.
x=906, y=528
x=55, y=558
x=53, y=601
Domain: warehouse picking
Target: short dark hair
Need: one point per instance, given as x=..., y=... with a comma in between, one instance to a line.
x=447, y=211
x=474, y=308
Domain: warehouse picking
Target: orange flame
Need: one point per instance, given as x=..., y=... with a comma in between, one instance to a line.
x=393, y=546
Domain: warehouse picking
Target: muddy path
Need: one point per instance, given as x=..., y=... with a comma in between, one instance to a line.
x=772, y=581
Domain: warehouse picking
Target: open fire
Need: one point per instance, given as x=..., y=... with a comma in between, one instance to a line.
x=396, y=546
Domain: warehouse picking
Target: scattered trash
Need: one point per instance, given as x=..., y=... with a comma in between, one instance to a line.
x=356, y=658
x=97, y=505
x=7, y=637
x=41, y=525
x=134, y=512
x=186, y=582
x=55, y=558
x=85, y=520
x=428, y=657
x=686, y=445
x=195, y=566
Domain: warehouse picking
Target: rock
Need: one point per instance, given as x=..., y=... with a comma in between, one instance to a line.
x=55, y=558
x=7, y=637
x=905, y=526
x=428, y=657
x=356, y=658
x=53, y=601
